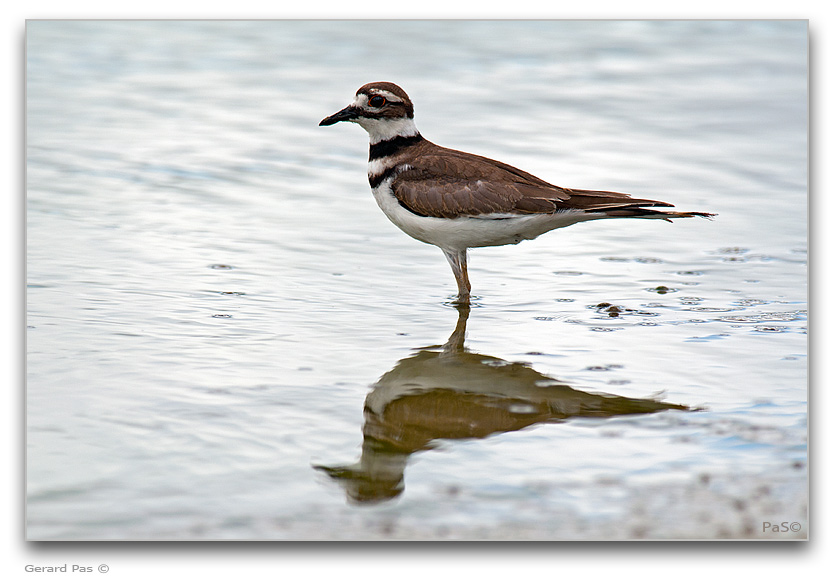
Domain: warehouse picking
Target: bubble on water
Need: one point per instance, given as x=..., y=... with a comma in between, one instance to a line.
x=765, y=317
x=522, y=409
x=603, y=367
x=750, y=302
x=739, y=318
x=544, y=383
x=763, y=328
x=496, y=363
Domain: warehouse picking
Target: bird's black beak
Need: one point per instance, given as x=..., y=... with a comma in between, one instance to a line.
x=348, y=113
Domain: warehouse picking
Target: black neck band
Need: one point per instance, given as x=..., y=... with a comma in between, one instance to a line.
x=391, y=146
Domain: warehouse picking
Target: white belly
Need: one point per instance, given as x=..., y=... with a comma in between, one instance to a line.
x=457, y=234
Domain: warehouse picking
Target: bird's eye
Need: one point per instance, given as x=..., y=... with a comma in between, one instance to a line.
x=376, y=101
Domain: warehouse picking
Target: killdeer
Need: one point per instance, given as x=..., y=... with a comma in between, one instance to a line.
x=456, y=200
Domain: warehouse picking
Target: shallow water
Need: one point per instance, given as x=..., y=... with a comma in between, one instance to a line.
x=227, y=339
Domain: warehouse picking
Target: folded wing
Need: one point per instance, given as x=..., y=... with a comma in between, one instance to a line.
x=456, y=184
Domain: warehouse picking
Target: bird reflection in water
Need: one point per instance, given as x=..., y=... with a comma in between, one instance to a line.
x=446, y=392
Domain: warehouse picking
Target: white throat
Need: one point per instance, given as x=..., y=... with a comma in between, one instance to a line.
x=385, y=129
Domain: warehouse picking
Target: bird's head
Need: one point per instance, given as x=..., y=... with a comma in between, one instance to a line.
x=382, y=109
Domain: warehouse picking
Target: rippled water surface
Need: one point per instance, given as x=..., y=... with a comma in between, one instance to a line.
x=227, y=338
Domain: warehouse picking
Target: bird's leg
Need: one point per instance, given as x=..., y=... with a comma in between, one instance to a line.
x=457, y=260
x=463, y=294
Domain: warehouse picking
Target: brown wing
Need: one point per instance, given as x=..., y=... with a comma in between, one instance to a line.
x=451, y=183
